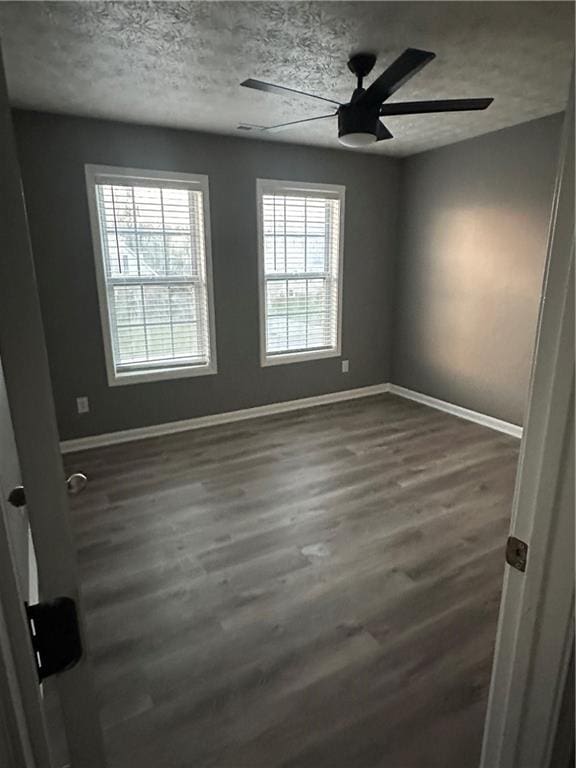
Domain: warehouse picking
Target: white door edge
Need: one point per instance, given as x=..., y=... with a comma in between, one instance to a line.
x=535, y=628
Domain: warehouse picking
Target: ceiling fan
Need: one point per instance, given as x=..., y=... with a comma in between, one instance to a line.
x=359, y=123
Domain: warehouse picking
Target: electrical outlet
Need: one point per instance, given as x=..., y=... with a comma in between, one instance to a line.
x=345, y=366
x=82, y=404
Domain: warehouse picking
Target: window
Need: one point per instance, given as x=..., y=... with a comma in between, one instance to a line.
x=300, y=261
x=153, y=264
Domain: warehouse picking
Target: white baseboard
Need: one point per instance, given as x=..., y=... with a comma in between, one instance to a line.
x=457, y=410
x=200, y=422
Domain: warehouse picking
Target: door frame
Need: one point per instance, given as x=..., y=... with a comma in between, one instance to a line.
x=15, y=742
x=535, y=637
x=20, y=698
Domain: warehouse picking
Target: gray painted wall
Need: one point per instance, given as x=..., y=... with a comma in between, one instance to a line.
x=454, y=238
x=474, y=225
x=53, y=150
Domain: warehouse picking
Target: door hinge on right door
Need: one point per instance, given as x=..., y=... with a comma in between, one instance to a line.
x=516, y=553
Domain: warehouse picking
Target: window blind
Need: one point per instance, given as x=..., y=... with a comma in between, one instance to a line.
x=301, y=261
x=154, y=252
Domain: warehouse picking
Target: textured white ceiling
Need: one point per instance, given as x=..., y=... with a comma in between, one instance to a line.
x=179, y=64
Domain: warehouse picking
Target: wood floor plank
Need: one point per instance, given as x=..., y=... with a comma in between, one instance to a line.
x=318, y=588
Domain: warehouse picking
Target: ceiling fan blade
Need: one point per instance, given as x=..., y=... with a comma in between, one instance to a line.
x=250, y=127
x=382, y=132
x=258, y=85
x=283, y=126
x=441, y=105
x=406, y=66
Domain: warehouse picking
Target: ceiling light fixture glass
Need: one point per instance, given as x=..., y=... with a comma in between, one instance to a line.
x=357, y=140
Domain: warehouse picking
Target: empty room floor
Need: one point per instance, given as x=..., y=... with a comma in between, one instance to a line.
x=318, y=589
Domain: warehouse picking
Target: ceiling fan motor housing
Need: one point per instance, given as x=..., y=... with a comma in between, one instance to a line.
x=353, y=118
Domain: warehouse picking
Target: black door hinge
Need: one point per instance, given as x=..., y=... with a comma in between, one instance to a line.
x=55, y=635
x=516, y=553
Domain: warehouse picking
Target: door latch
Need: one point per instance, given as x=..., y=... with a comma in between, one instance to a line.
x=516, y=553
x=55, y=635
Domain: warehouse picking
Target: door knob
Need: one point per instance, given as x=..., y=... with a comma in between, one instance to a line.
x=75, y=484
x=17, y=497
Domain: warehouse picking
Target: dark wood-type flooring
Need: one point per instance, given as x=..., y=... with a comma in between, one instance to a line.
x=313, y=590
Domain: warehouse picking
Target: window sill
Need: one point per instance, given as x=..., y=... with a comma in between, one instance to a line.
x=141, y=377
x=299, y=357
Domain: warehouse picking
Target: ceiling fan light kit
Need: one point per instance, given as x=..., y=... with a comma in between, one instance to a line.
x=357, y=140
x=357, y=127
x=359, y=123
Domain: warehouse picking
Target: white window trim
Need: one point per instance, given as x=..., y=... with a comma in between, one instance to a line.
x=271, y=186
x=201, y=183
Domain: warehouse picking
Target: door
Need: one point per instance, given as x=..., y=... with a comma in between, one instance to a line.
x=28, y=396
x=535, y=638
